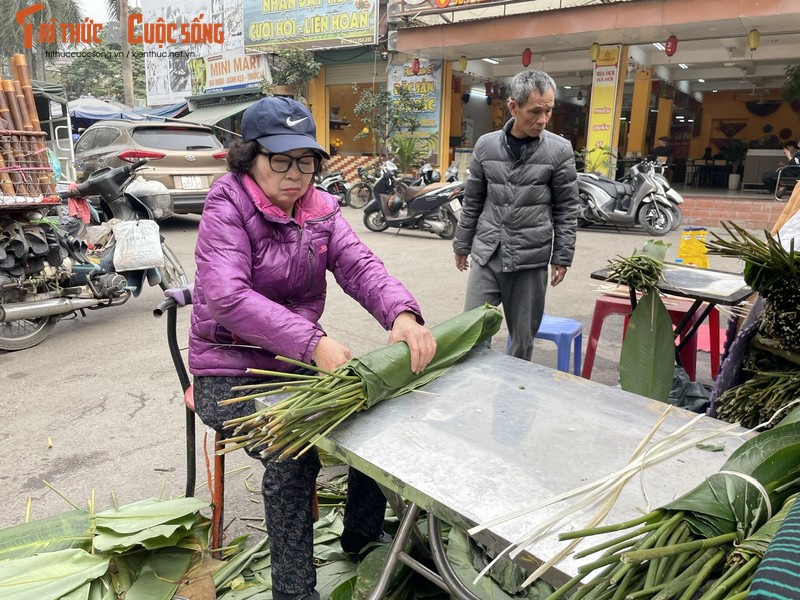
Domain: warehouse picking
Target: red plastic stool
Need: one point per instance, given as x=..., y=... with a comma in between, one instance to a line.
x=677, y=308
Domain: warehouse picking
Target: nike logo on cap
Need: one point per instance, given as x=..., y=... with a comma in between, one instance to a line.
x=292, y=122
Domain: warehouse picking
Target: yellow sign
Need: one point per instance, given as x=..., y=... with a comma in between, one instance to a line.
x=602, y=111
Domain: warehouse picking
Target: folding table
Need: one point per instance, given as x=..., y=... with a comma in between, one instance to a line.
x=496, y=434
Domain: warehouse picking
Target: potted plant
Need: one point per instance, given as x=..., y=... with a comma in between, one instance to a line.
x=601, y=160
x=291, y=69
x=735, y=153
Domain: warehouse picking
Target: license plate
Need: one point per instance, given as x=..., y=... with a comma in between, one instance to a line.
x=455, y=205
x=191, y=182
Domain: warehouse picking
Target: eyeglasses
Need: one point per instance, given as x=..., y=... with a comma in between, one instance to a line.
x=281, y=163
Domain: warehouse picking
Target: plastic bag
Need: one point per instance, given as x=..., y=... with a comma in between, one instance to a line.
x=138, y=246
x=154, y=194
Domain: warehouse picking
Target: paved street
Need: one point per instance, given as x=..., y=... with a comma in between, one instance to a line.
x=103, y=390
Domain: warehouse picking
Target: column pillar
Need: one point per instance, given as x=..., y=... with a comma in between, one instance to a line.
x=444, y=116
x=664, y=118
x=318, y=100
x=640, y=110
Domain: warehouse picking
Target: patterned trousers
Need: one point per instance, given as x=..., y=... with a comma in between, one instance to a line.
x=288, y=489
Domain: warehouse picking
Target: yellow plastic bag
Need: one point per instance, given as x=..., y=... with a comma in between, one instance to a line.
x=692, y=248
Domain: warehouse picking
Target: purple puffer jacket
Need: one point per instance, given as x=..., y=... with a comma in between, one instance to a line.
x=260, y=283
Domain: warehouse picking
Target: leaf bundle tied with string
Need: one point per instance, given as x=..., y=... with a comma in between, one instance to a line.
x=688, y=545
x=319, y=401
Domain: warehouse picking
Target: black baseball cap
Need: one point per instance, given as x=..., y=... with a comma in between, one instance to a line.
x=281, y=124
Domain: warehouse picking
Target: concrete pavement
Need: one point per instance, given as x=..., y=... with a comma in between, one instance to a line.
x=103, y=392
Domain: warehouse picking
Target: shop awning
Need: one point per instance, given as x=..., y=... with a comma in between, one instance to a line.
x=211, y=115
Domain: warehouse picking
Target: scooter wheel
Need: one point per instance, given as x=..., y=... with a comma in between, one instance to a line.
x=677, y=216
x=450, y=229
x=655, y=220
x=374, y=221
x=359, y=195
x=24, y=333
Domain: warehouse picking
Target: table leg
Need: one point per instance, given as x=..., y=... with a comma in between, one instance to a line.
x=397, y=554
x=458, y=589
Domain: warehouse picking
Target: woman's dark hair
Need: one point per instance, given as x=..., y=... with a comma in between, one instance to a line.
x=241, y=156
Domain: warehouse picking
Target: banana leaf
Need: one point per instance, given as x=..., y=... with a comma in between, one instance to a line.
x=158, y=536
x=386, y=372
x=49, y=575
x=756, y=544
x=161, y=574
x=647, y=359
x=71, y=529
x=141, y=515
x=726, y=502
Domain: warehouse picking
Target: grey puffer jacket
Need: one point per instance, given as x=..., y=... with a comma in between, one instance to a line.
x=260, y=284
x=527, y=207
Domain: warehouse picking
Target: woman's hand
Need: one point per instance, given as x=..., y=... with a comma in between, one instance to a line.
x=330, y=354
x=420, y=340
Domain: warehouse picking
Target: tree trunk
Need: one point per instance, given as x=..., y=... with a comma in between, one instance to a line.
x=127, y=68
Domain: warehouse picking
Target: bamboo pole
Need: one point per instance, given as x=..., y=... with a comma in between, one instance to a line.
x=24, y=90
x=15, y=160
x=6, y=149
x=22, y=74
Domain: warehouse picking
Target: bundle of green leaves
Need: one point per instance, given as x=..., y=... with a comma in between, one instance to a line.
x=705, y=540
x=317, y=405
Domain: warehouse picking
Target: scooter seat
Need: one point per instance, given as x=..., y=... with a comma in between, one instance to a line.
x=613, y=188
x=413, y=192
x=331, y=174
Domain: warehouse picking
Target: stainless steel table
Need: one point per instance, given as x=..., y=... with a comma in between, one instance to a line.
x=496, y=434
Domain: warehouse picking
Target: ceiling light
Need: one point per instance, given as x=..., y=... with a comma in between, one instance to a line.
x=701, y=80
x=730, y=63
x=690, y=121
x=491, y=61
x=683, y=66
x=658, y=45
x=714, y=91
x=623, y=118
x=567, y=87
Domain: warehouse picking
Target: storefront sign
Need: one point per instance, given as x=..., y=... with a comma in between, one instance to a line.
x=168, y=74
x=603, y=109
x=426, y=93
x=227, y=71
x=311, y=24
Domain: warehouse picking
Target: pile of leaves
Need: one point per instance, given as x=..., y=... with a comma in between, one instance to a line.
x=773, y=359
x=140, y=551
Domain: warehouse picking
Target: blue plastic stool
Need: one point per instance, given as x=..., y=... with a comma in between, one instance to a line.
x=562, y=331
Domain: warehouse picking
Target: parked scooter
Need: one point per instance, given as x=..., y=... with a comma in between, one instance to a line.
x=639, y=199
x=54, y=273
x=434, y=207
x=334, y=184
x=656, y=169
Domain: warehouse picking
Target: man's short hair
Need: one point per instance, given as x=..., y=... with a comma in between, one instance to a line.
x=526, y=82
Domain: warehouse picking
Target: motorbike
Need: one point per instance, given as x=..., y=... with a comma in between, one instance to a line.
x=433, y=207
x=359, y=193
x=334, y=184
x=53, y=273
x=638, y=198
x=656, y=169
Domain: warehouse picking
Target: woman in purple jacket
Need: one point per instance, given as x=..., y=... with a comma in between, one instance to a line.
x=265, y=241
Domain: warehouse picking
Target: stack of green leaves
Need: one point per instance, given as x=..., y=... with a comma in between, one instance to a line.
x=317, y=405
x=676, y=550
x=771, y=270
x=139, y=551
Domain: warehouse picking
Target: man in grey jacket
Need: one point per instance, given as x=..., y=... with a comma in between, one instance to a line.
x=519, y=213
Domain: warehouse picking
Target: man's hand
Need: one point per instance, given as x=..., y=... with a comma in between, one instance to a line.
x=330, y=354
x=462, y=264
x=420, y=340
x=557, y=273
